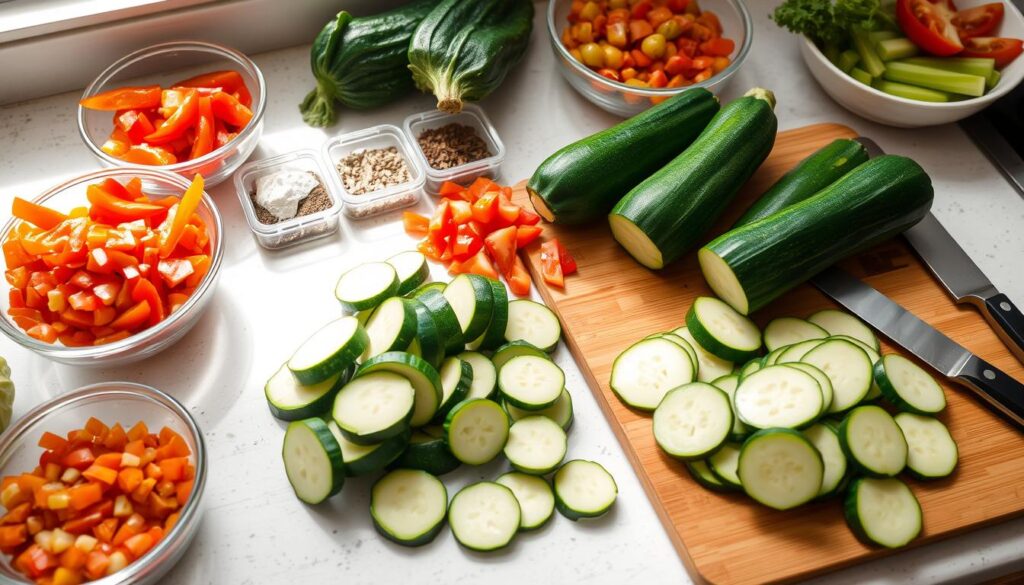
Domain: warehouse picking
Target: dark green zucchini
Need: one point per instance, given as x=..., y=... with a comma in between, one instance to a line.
x=563, y=189
x=750, y=266
x=463, y=49
x=363, y=61
x=665, y=215
x=811, y=175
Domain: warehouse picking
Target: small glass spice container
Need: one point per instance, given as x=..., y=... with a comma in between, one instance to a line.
x=387, y=198
x=296, y=230
x=472, y=116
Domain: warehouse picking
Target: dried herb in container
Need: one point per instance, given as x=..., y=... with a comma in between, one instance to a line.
x=370, y=170
x=452, y=145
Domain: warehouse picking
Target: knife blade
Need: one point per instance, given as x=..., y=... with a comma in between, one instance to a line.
x=1001, y=392
x=961, y=276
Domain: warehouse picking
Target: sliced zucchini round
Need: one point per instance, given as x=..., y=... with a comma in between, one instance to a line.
x=374, y=407
x=847, y=367
x=329, y=351
x=366, y=286
x=824, y=383
x=779, y=396
x=484, y=516
x=774, y=355
x=826, y=440
x=427, y=342
x=312, y=460
x=476, y=431
x=796, y=352
x=364, y=316
x=364, y=459
x=534, y=323
x=469, y=295
x=701, y=473
x=536, y=500
x=647, y=370
x=840, y=323
x=515, y=349
x=584, y=489
x=530, y=382
x=423, y=377
x=411, y=268
x=495, y=333
x=721, y=331
x=710, y=367
x=883, y=512
x=485, y=377
x=392, y=327
x=873, y=441
x=423, y=288
x=428, y=452
x=683, y=344
x=408, y=506
x=728, y=384
x=448, y=328
x=784, y=331
x=724, y=464
x=560, y=411
x=456, y=379
x=907, y=386
x=780, y=468
x=931, y=450
x=873, y=354
x=750, y=367
x=536, y=445
x=290, y=399
x=693, y=421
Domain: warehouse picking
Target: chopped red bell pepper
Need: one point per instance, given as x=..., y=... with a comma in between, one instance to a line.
x=124, y=98
x=551, y=264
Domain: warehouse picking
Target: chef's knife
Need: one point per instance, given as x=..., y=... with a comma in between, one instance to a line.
x=961, y=276
x=999, y=390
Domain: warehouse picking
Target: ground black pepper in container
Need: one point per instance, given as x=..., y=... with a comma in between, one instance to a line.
x=452, y=145
x=455, y=147
x=315, y=201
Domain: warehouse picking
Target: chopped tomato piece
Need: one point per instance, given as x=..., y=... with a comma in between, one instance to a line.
x=527, y=217
x=979, y=21
x=566, y=259
x=551, y=264
x=479, y=263
x=502, y=246
x=1004, y=51
x=519, y=279
x=480, y=186
x=415, y=224
x=929, y=25
x=452, y=190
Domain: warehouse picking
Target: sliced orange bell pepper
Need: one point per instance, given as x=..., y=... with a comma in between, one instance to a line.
x=179, y=122
x=15, y=255
x=525, y=234
x=519, y=279
x=452, y=190
x=204, y=130
x=230, y=110
x=35, y=214
x=43, y=332
x=415, y=224
x=551, y=264
x=144, y=154
x=117, y=144
x=230, y=81
x=179, y=217
x=132, y=318
x=174, y=271
x=124, y=98
x=85, y=495
x=128, y=210
x=135, y=123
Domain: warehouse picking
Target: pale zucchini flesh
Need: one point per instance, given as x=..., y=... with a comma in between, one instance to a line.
x=584, y=489
x=847, y=367
x=883, y=511
x=647, y=370
x=534, y=323
x=721, y=331
x=536, y=500
x=826, y=441
x=790, y=330
x=411, y=268
x=780, y=468
x=484, y=516
x=476, y=431
x=908, y=386
x=536, y=445
x=873, y=441
x=840, y=323
x=709, y=366
x=530, y=382
x=560, y=411
x=312, y=460
x=779, y=397
x=424, y=379
x=374, y=407
x=408, y=506
x=366, y=286
x=329, y=351
x=693, y=421
x=931, y=450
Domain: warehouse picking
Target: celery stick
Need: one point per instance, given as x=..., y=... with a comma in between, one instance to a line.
x=861, y=75
x=992, y=80
x=891, y=49
x=847, y=60
x=881, y=35
x=869, y=60
x=949, y=81
x=969, y=65
x=831, y=52
x=911, y=92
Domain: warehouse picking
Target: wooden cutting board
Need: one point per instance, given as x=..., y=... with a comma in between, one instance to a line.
x=727, y=538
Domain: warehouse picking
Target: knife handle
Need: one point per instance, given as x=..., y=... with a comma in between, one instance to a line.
x=1001, y=391
x=1008, y=322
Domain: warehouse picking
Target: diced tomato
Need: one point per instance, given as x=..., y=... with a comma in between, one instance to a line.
x=525, y=234
x=527, y=217
x=480, y=186
x=519, y=279
x=501, y=245
x=462, y=211
x=477, y=264
x=452, y=190
x=415, y=224
x=466, y=244
x=551, y=265
x=485, y=208
x=929, y=25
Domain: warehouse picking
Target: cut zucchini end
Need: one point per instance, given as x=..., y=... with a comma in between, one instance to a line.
x=636, y=242
x=761, y=93
x=722, y=280
x=541, y=206
x=312, y=460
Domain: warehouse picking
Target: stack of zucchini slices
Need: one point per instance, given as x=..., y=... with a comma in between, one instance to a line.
x=419, y=378
x=802, y=422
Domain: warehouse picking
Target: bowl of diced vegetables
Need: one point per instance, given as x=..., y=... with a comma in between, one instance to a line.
x=100, y=484
x=101, y=271
x=627, y=55
x=916, y=63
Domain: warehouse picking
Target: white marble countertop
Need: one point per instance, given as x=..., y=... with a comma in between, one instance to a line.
x=255, y=531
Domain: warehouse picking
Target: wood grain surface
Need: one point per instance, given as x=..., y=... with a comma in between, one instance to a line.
x=727, y=538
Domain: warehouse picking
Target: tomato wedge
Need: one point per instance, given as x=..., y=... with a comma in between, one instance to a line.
x=929, y=25
x=1003, y=50
x=979, y=21
x=551, y=265
x=502, y=246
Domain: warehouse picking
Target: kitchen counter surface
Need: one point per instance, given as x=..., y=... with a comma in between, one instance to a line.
x=255, y=531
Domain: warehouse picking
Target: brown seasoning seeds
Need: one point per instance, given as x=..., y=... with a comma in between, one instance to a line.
x=452, y=145
x=366, y=171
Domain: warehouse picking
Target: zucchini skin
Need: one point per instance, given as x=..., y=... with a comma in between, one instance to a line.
x=812, y=174
x=675, y=206
x=362, y=62
x=874, y=202
x=463, y=50
x=565, y=188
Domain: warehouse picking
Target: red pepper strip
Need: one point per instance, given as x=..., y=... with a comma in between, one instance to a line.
x=129, y=210
x=181, y=120
x=134, y=186
x=519, y=280
x=204, y=130
x=124, y=98
x=229, y=81
x=179, y=217
x=229, y=109
x=36, y=214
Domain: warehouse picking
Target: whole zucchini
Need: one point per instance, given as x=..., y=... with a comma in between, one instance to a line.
x=362, y=62
x=578, y=184
x=464, y=49
x=665, y=215
x=750, y=266
x=814, y=173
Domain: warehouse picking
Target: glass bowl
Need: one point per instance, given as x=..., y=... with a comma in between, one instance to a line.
x=111, y=402
x=624, y=100
x=166, y=63
x=151, y=341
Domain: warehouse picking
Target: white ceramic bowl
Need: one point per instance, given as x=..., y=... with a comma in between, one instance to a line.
x=881, y=107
